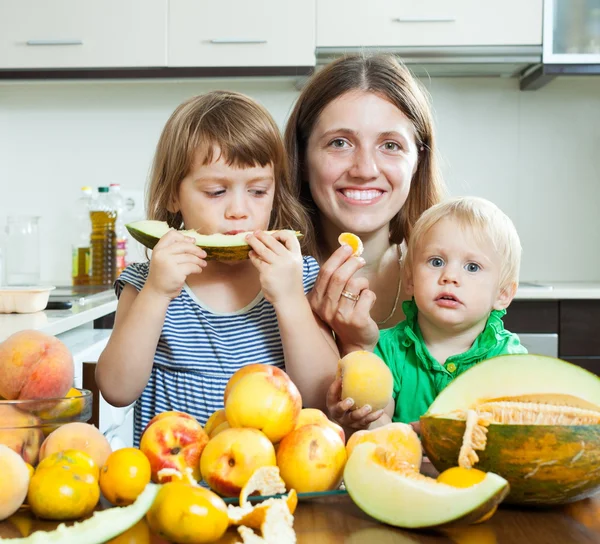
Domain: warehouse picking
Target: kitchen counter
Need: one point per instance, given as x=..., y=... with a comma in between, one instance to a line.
x=558, y=291
x=57, y=322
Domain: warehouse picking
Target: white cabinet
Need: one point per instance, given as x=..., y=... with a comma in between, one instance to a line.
x=241, y=33
x=82, y=33
x=386, y=23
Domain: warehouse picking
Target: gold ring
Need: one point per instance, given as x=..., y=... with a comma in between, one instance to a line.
x=350, y=295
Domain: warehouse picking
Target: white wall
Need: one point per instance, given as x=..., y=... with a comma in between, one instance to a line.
x=536, y=154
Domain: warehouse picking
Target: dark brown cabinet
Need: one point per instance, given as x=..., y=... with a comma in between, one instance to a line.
x=577, y=323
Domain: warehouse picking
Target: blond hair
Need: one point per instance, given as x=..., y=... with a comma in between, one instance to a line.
x=246, y=136
x=388, y=78
x=488, y=222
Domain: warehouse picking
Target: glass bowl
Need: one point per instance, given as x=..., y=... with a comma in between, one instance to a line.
x=24, y=424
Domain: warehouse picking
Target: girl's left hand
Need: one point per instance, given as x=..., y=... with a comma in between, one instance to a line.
x=278, y=259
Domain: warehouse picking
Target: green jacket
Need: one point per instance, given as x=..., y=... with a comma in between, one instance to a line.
x=418, y=377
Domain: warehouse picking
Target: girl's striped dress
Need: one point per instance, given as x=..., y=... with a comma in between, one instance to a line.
x=199, y=349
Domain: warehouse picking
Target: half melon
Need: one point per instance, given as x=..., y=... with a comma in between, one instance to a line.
x=392, y=491
x=218, y=247
x=532, y=419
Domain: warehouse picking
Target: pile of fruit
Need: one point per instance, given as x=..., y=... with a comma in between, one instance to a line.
x=522, y=426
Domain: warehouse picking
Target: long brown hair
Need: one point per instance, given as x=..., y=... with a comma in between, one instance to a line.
x=246, y=135
x=385, y=76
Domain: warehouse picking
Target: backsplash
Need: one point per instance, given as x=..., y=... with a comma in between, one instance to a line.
x=536, y=154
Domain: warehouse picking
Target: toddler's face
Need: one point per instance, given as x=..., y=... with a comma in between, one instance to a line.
x=456, y=277
x=218, y=198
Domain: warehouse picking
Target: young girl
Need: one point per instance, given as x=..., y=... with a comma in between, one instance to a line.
x=184, y=325
x=462, y=270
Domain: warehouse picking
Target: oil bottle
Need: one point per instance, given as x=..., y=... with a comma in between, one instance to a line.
x=103, y=240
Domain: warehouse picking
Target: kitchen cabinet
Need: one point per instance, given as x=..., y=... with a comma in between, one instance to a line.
x=575, y=321
x=241, y=33
x=381, y=23
x=82, y=33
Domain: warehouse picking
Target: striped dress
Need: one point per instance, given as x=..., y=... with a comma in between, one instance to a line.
x=199, y=349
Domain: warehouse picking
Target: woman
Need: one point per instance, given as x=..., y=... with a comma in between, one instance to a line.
x=362, y=154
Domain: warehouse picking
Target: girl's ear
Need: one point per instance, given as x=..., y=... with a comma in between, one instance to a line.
x=173, y=205
x=505, y=296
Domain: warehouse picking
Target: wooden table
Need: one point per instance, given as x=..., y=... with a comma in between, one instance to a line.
x=335, y=520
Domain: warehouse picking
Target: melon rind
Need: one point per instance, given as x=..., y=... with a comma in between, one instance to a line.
x=544, y=464
x=101, y=527
x=523, y=375
x=397, y=499
x=219, y=247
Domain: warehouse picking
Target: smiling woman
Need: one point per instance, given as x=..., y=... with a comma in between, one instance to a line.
x=362, y=153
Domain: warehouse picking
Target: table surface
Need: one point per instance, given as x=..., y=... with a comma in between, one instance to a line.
x=329, y=520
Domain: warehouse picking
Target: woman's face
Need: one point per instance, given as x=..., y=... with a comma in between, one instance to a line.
x=361, y=156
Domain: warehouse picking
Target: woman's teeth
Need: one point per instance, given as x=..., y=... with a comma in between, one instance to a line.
x=361, y=195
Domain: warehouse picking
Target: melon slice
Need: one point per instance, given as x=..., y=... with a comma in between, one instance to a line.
x=392, y=491
x=220, y=247
x=101, y=527
x=534, y=420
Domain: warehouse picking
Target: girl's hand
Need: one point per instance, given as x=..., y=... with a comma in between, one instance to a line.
x=278, y=259
x=329, y=298
x=174, y=258
x=339, y=410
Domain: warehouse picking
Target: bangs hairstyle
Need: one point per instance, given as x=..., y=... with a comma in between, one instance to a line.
x=242, y=132
x=488, y=223
x=388, y=78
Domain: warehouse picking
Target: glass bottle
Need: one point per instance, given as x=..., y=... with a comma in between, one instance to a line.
x=103, y=240
x=80, y=251
x=120, y=231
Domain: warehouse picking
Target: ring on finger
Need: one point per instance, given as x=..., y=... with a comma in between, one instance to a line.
x=350, y=295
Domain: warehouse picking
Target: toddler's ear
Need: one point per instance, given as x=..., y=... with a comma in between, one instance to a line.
x=505, y=297
x=409, y=285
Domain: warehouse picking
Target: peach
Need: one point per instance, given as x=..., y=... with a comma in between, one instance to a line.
x=399, y=437
x=315, y=416
x=173, y=440
x=14, y=482
x=366, y=379
x=231, y=457
x=77, y=436
x=34, y=365
x=312, y=458
x=20, y=431
x=219, y=428
x=244, y=371
x=216, y=419
x=264, y=400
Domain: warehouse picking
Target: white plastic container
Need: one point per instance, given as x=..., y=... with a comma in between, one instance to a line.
x=24, y=300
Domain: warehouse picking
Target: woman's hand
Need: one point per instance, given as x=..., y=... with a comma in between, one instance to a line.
x=344, y=302
x=174, y=258
x=340, y=409
x=278, y=259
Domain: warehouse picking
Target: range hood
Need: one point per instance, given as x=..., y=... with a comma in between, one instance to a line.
x=452, y=61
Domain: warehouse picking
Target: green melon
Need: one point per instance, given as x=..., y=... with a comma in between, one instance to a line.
x=218, y=247
x=542, y=417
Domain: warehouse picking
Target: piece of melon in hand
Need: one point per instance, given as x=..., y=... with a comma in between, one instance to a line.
x=218, y=247
x=392, y=491
x=532, y=419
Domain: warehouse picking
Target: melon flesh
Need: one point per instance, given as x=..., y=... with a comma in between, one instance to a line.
x=223, y=247
x=520, y=378
x=394, y=493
